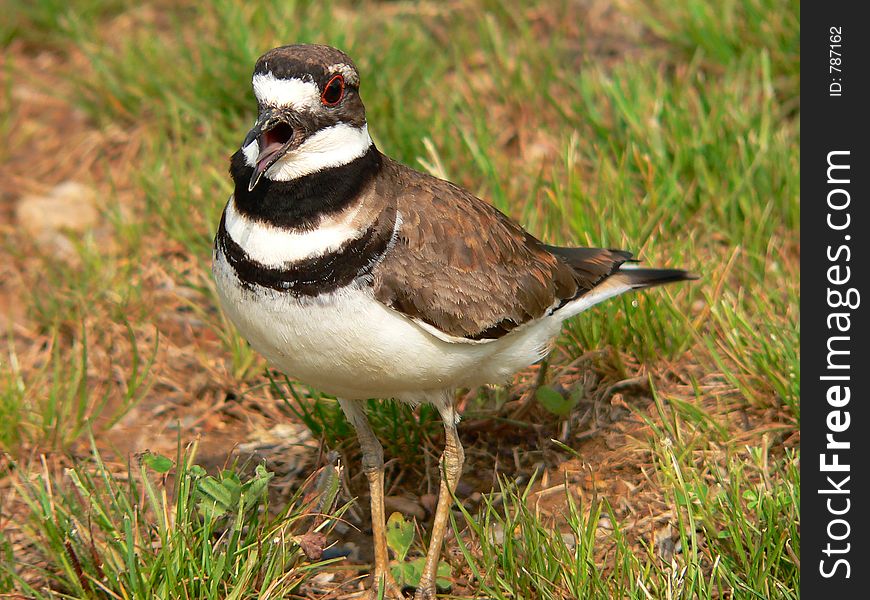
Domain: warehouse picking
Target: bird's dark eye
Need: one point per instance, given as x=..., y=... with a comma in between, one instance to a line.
x=333, y=92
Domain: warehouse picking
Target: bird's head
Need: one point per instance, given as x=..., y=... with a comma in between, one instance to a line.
x=310, y=115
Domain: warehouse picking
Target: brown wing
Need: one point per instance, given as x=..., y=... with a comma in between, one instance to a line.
x=466, y=269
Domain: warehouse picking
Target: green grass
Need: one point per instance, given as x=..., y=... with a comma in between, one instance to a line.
x=52, y=406
x=678, y=141
x=140, y=534
x=46, y=23
x=737, y=522
x=401, y=428
x=741, y=511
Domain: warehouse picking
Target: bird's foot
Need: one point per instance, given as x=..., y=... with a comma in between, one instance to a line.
x=425, y=591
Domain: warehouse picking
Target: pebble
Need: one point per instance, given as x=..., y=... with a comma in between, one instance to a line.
x=664, y=543
x=407, y=507
x=69, y=208
x=428, y=501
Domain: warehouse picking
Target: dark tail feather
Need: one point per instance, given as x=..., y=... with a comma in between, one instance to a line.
x=644, y=278
x=623, y=280
x=594, y=265
x=591, y=265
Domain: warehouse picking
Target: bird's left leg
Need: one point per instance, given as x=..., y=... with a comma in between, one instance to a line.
x=373, y=465
x=451, y=469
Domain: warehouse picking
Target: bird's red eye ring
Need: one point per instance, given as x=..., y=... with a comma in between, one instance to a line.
x=333, y=92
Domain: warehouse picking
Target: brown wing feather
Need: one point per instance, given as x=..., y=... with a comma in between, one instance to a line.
x=465, y=268
x=591, y=265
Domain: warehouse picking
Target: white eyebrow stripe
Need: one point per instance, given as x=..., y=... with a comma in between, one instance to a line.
x=347, y=72
x=295, y=93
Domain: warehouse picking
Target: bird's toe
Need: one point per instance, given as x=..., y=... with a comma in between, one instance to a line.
x=426, y=592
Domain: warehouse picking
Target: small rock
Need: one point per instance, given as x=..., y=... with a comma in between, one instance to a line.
x=666, y=549
x=497, y=535
x=354, y=553
x=70, y=207
x=323, y=577
x=664, y=543
x=335, y=551
x=463, y=489
x=428, y=501
x=409, y=508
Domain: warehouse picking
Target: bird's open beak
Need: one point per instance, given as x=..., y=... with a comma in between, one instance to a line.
x=276, y=133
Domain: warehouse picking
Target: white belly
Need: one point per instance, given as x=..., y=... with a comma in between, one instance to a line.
x=348, y=344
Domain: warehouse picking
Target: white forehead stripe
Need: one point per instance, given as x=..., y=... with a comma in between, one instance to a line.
x=294, y=93
x=330, y=147
x=275, y=247
x=347, y=72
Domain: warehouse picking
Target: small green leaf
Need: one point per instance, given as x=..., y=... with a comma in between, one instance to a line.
x=400, y=535
x=409, y=573
x=555, y=402
x=328, y=486
x=256, y=487
x=157, y=462
x=216, y=498
x=215, y=490
x=752, y=497
x=196, y=471
x=443, y=576
x=227, y=475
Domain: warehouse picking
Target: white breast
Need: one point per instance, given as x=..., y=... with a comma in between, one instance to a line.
x=348, y=344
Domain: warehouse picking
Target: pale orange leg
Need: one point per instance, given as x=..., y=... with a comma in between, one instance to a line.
x=451, y=469
x=373, y=466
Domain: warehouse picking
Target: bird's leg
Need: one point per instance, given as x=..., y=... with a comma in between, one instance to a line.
x=451, y=469
x=373, y=466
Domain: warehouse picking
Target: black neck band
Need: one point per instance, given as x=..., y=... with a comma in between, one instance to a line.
x=299, y=203
x=311, y=276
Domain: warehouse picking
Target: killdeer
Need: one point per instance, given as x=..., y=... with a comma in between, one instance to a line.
x=367, y=279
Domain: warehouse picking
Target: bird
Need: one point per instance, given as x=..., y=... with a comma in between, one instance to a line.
x=367, y=279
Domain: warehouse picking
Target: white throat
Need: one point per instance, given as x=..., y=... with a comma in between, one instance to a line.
x=330, y=147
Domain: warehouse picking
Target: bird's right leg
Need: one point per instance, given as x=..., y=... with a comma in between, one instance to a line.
x=373, y=466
